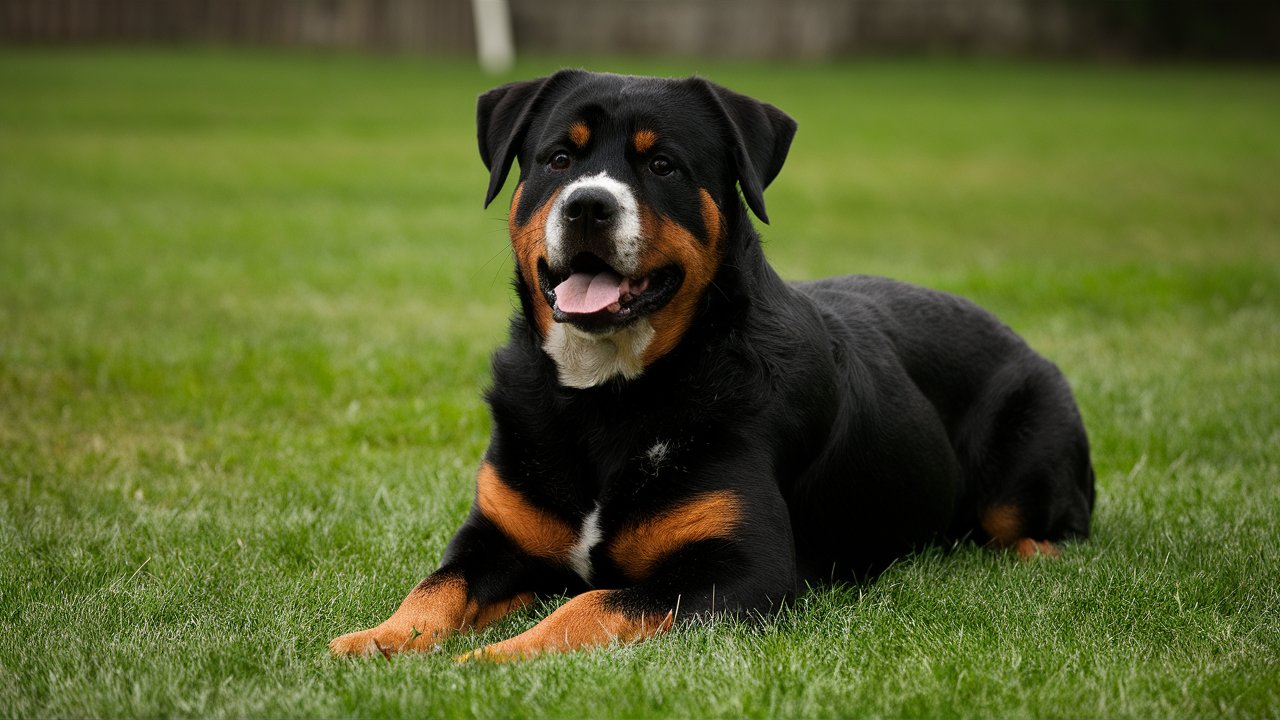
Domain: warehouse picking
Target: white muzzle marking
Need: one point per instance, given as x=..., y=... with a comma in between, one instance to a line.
x=588, y=359
x=625, y=237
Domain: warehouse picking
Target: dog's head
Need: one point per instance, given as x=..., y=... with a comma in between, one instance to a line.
x=619, y=219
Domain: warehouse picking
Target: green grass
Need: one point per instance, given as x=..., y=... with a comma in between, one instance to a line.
x=246, y=303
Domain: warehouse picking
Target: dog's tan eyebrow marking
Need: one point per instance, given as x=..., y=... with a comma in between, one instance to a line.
x=644, y=140
x=536, y=531
x=639, y=549
x=580, y=134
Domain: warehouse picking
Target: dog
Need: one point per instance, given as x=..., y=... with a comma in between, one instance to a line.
x=679, y=433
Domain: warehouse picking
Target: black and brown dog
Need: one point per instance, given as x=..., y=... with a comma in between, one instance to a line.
x=677, y=431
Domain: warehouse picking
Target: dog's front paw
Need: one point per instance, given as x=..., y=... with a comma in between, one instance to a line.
x=381, y=640
x=357, y=644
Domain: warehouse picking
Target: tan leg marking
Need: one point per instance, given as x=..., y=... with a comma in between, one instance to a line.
x=494, y=612
x=1003, y=524
x=536, y=531
x=432, y=612
x=582, y=622
x=1029, y=549
x=639, y=549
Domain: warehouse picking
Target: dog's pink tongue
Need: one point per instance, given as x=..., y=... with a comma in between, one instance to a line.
x=585, y=293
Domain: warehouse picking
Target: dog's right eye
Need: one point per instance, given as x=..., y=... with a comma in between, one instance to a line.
x=661, y=166
x=560, y=161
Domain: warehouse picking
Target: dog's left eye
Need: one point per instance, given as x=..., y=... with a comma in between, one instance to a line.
x=661, y=166
x=560, y=161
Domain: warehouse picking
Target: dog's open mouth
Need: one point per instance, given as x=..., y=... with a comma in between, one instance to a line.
x=594, y=296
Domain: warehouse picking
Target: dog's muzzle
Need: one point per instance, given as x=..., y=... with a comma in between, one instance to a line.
x=592, y=278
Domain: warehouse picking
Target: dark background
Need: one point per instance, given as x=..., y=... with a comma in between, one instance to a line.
x=1247, y=30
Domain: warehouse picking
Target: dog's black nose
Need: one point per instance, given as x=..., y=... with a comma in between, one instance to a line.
x=591, y=206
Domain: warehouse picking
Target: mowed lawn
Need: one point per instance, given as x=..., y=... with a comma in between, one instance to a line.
x=246, y=305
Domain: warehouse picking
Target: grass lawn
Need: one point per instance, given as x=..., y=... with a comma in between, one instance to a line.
x=246, y=304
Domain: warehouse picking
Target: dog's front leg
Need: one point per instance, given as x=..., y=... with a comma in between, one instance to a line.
x=484, y=576
x=438, y=607
x=596, y=618
x=680, y=572
x=490, y=568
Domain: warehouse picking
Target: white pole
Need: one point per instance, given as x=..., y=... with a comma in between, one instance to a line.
x=494, y=46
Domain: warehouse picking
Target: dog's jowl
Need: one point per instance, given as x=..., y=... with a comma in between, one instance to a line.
x=677, y=431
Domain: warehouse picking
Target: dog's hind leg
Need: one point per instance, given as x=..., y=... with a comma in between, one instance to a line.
x=1026, y=456
x=1003, y=527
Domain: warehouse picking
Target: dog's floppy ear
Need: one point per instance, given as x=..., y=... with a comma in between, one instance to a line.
x=761, y=135
x=502, y=118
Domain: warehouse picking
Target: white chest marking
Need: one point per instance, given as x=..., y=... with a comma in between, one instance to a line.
x=588, y=536
x=657, y=454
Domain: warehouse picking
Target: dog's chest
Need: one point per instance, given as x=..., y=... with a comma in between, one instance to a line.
x=594, y=533
x=589, y=536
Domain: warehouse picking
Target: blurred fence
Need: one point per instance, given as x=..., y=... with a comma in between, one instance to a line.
x=430, y=26
x=797, y=28
x=728, y=28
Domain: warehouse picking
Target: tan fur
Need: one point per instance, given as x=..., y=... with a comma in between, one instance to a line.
x=436, y=609
x=583, y=622
x=668, y=241
x=1003, y=524
x=528, y=241
x=639, y=549
x=643, y=140
x=536, y=531
x=711, y=217
x=1029, y=549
